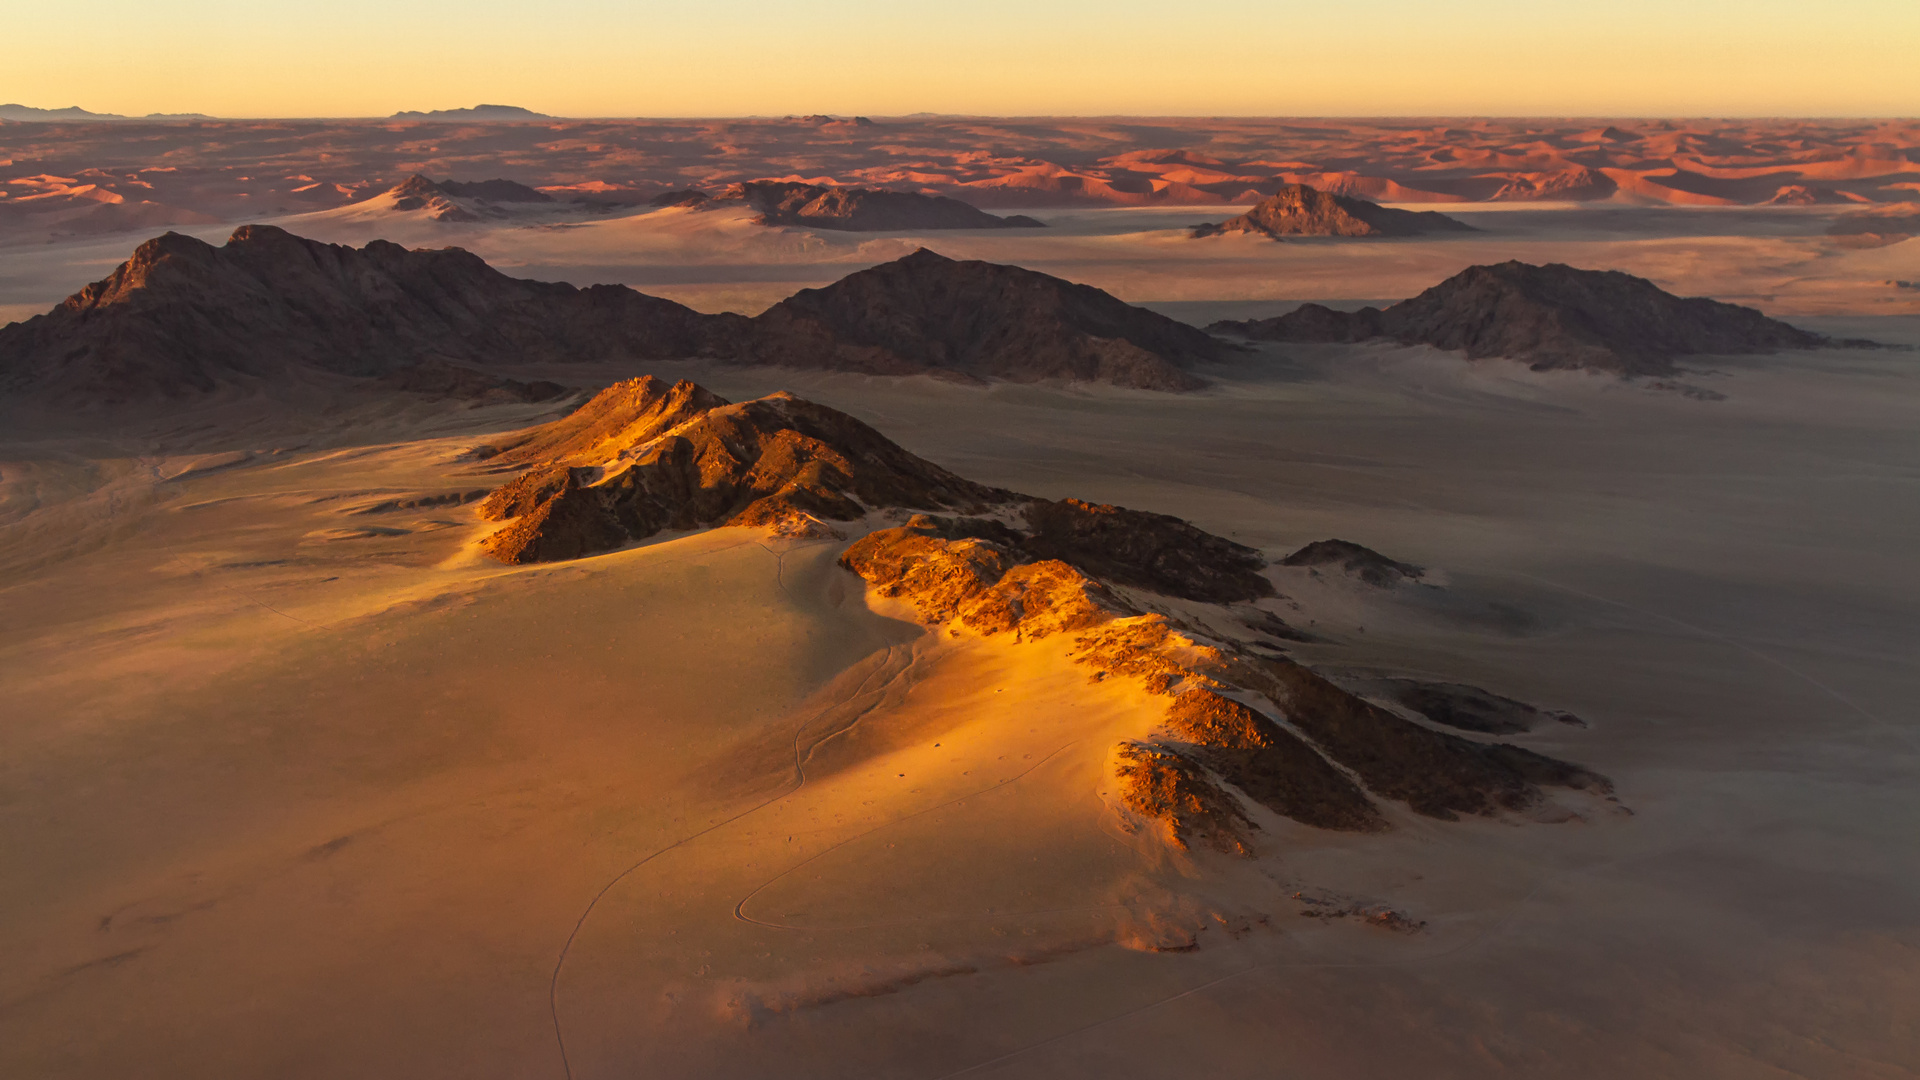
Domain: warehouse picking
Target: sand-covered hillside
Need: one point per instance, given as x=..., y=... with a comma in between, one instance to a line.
x=302, y=782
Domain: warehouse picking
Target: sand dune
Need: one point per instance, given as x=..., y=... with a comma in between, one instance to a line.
x=422, y=811
x=216, y=168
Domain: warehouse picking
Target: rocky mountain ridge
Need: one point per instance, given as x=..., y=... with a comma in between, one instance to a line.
x=978, y=320
x=1550, y=317
x=1245, y=730
x=1301, y=210
x=182, y=317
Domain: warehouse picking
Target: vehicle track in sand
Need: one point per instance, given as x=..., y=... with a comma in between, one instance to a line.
x=739, y=909
x=896, y=664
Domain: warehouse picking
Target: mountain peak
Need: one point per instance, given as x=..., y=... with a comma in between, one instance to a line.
x=925, y=312
x=1301, y=210
x=1551, y=316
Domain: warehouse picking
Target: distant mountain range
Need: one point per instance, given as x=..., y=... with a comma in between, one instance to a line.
x=74, y=112
x=182, y=316
x=484, y=113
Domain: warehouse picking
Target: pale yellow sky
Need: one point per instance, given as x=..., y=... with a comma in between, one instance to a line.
x=602, y=58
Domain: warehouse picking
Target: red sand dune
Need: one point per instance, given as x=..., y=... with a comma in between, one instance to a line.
x=57, y=177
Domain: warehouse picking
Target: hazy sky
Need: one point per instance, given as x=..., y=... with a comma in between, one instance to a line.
x=605, y=58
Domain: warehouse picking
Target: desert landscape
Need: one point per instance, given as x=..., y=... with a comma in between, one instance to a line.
x=490, y=594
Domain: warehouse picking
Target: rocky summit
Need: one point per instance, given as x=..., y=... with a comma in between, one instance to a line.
x=645, y=457
x=1300, y=210
x=926, y=313
x=182, y=316
x=1552, y=316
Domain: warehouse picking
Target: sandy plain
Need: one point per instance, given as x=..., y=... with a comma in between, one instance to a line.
x=293, y=784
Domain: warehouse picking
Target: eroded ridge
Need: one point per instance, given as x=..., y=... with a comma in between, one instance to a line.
x=1551, y=317
x=643, y=457
x=1240, y=727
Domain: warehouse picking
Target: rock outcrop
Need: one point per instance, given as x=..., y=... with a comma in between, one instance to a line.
x=929, y=314
x=643, y=457
x=1362, y=562
x=858, y=209
x=418, y=194
x=499, y=191
x=1549, y=317
x=1299, y=210
x=1241, y=728
x=1269, y=729
x=182, y=316
x=459, y=202
x=1808, y=195
x=1578, y=183
x=1466, y=708
x=1145, y=551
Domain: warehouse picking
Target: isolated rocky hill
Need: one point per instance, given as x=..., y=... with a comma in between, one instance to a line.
x=182, y=316
x=459, y=201
x=1241, y=721
x=418, y=194
x=1552, y=316
x=929, y=313
x=1299, y=210
x=860, y=209
x=678, y=457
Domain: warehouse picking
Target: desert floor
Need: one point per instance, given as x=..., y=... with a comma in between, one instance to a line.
x=295, y=784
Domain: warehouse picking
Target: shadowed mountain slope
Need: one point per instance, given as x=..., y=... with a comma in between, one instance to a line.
x=929, y=313
x=1551, y=316
x=184, y=316
x=1299, y=210
x=644, y=456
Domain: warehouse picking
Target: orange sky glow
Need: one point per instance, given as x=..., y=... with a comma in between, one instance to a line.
x=599, y=58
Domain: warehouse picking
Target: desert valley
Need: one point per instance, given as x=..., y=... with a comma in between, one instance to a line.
x=923, y=597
